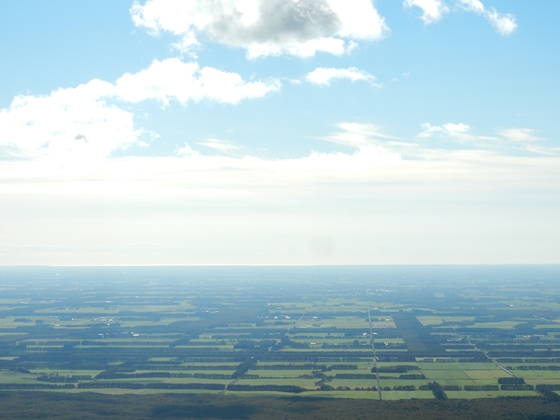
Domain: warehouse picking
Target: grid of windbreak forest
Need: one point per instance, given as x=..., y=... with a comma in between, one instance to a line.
x=436, y=332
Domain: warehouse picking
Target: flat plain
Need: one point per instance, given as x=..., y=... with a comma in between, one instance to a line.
x=328, y=332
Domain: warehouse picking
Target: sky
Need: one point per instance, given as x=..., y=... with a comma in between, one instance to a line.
x=279, y=132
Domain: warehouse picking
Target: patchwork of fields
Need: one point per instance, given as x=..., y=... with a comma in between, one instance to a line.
x=329, y=332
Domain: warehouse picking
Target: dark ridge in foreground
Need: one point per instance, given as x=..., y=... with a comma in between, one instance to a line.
x=88, y=406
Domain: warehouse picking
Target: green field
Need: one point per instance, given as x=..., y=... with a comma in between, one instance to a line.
x=189, y=331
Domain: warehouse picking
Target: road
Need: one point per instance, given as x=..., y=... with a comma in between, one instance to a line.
x=269, y=350
x=492, y=360
x=373, y=349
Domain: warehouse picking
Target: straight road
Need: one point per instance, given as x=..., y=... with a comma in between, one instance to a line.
x=373, y=349
x=269, y=350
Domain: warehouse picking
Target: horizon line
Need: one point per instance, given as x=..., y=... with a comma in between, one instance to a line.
x=281, y=265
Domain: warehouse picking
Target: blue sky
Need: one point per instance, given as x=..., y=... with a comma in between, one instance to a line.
x=279, y=132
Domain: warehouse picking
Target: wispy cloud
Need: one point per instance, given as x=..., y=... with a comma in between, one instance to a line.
x=366, y=168
x=505, y=140
x=324, y=76
x=432, y=10
x=376, y=160
x=505, y=24
x=458, y=132
x=219, y=145
x=519, y=134
x=356, y=135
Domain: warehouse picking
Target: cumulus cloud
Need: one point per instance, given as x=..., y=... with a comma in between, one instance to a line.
x=432, y=10
x=78, y=120
x=324, y=76
x=89, y=121
x=265, y=27
x=184, y=82
x=504, y=24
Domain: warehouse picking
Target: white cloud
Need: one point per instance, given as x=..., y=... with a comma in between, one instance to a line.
x=265, y=27
x=292, y=27
x=504, y=24
x=219, y=145
x=506, y=139
x=76, y=121
x=450, y=129
x=324, y=76
x=224, y=204
x=432, y=10
x=458, y=132
x=472, y=5
x=184, y=82
x=86, y=122
x=358, y=135
x=519, y=134
x=376, y=161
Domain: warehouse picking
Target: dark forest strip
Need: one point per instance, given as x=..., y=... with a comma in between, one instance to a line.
x=91, y=406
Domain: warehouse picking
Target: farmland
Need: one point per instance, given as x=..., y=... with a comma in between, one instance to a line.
x=332, y=332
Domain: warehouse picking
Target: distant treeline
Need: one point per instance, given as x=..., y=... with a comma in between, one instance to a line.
x=355, y=376
x=395, y=369
x=36, y=386
x=106, y=375
x=552, y=367
x=517, y=360
x=511, y=381
x=137, y=385
x=276, y=388
x=481, y=387
x=56, y=378
x=436, y=388
x=68, y=406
